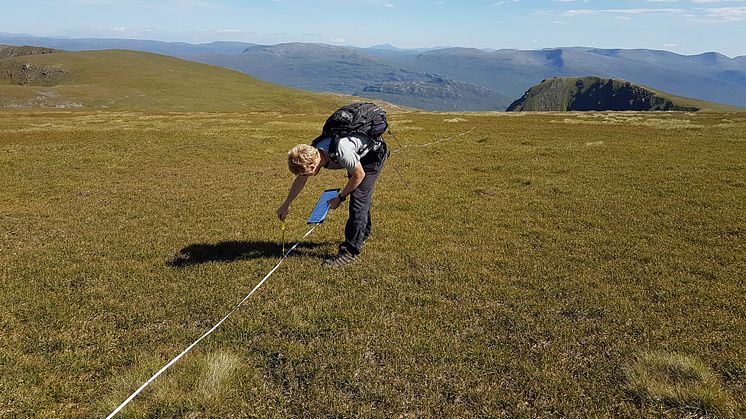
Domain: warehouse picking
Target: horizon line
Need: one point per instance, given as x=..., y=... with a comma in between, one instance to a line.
x=25, y=35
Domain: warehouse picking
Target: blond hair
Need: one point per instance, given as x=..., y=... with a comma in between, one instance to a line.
x=300, y=159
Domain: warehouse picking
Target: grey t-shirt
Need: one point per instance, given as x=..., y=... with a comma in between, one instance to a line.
x=349, y=151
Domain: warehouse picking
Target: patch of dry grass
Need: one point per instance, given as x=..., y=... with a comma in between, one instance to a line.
x=595, y=143
x=679, y=381
x=650, y=119
x=220, y=367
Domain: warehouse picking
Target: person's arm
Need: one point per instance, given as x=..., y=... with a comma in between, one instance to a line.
x=356, y=178
x=295, y=188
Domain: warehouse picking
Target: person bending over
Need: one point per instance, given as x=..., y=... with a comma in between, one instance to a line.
x=363, y=165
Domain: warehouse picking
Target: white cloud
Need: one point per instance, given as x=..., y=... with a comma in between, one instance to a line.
x=500, y=3
x=716, y=1
x=711, y=15
x=591, y=12
x=727, y=14
x=191, y=3
x=95, y=2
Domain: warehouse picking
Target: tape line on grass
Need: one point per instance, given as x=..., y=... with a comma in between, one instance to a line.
x=189, y=348
x=400, y=149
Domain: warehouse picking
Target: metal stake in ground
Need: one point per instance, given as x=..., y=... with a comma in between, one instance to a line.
x=283, y=236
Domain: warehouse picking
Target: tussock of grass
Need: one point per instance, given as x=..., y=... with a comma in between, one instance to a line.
x=732, y=122
x=679, y=381
x=670, y=123
x=409, y=128
x=219, y=369
x=651, y=120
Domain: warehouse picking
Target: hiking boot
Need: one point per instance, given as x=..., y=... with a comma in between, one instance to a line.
x=342, y=259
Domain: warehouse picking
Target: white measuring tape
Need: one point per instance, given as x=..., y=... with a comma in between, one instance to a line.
x=400, y=149
x=189, y=348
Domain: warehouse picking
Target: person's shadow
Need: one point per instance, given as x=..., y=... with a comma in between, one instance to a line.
x=232, y=251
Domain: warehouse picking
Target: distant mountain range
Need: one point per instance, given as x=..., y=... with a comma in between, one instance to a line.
x=445, y=78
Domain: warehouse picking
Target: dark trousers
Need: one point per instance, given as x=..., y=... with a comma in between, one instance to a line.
x=359, y=224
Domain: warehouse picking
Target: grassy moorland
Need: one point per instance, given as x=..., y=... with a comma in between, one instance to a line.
x=126, y=80
x=541, y=265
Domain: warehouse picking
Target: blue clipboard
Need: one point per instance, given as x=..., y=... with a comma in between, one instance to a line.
x=318, y=215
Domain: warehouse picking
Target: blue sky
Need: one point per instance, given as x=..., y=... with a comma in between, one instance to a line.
x=682, y=26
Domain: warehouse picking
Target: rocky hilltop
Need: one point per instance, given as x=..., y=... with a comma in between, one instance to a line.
x=14, y=69
x=594, y=94
x=10, y=51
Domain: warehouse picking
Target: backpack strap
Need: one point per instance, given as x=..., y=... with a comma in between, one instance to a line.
x=334, y=148
x=333, y=144
x=373, y=144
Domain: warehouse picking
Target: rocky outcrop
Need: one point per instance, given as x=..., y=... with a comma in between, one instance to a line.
x=593, y=94
x=14, y=69
x=26, y=74
x=10, y=51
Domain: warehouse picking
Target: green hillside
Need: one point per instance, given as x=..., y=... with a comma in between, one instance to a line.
x=701, y=105
x=602, y=94
x=129, y=80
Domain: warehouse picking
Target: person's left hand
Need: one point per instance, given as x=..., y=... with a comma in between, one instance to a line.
x=334, y=202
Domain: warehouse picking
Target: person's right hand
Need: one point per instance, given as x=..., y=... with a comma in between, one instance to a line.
x=282, y=212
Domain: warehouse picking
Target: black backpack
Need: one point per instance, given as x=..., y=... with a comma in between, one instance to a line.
x=356, y=118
